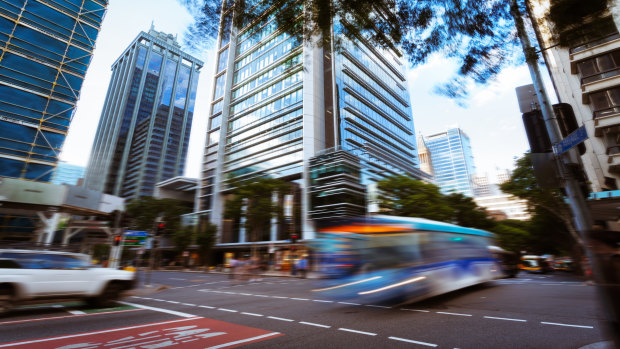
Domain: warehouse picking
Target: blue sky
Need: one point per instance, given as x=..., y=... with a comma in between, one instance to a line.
x=492, y=120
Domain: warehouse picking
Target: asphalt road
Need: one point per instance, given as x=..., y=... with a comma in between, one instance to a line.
x=210, y=310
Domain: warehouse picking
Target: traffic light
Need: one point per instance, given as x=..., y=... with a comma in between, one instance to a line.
x=160, y=227
x=117, y=240
x=536, y=132
x=294, y=238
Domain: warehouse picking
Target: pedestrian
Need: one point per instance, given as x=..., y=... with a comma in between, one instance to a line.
x=302, y=266
x=233, y=265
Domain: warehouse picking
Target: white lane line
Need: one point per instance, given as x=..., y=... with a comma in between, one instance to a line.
x=567, y=325
x=418, y=310
x=229, y=344
x=251, y=314
x=177, y=313
x=280, y=297
x=313, y=324
x=301, y=299
x=457, y=314
x=228, y=310
x=280, y=318
x=15, y=344
x=261, y=295
x=246, y=294
x=356, y=331
x=206, y=306
x=377, y=306
x=347, y=303
x=176, y=279
x=322, y=301
x=76, y=312
x=412, y=341
x=504, y=318
x=189, y=304
x=174, y=302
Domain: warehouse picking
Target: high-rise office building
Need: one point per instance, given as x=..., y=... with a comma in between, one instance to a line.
x=45, y=49
x=453, y=161
x=66, y=173
x=279, y=101
x=426, y=163
x=144, y=130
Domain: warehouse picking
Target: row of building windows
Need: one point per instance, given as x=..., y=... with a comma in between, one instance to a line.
x=265, y=125
x=267, y=92
x=266, y=76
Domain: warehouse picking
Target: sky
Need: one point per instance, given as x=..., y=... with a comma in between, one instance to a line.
x=492, y=119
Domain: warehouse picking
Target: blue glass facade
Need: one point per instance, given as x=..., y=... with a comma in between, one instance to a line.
x=144, y=130
x=453, y=161
x=45, y=49
x=67, y=174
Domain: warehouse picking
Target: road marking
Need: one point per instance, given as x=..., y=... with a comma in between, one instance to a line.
x=189, y=304
x=504, y=318
x=177, y=313
x=457, y=314
x=301, y=299
x=174, y=302
x=251, y=314
x=322, y=301
x=246, y=294
x=75, y=312
x=97, y=332
x=228, y=310
x=65, y=316
x=567, y=325
x=279, y=318
x=347, y=303
x=356, y=331
x=313, y=324
x=412, y=341
x=206, y=306
x=377, y=306
x=419, y=310
x=279, y=297
x=243, y=340
x=261, y=295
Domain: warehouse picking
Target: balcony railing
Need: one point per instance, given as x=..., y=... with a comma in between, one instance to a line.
x=607, y=111
x=600, y=76
x=593, y=43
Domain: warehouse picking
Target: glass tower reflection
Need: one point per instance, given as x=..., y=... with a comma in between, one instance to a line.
x=143, y=133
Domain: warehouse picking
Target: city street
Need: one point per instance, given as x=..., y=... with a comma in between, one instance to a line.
x=198, y=310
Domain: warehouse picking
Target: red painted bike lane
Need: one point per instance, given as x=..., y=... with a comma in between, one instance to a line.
x=190, y=333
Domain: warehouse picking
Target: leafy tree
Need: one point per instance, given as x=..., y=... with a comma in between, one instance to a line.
x=467, y=213
x=478, y=34
x=143, y=212
x=405, y=196
x=205, y=239
x=256, y=196
x=512, y=235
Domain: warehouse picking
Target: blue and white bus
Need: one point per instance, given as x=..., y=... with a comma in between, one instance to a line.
x=401, y=259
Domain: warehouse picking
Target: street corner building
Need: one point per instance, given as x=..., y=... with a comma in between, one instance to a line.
x=46, y=48
x=330, y=120
x=143, y=133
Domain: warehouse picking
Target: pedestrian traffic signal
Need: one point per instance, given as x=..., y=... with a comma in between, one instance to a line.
x=117, y=240
x=161, y=226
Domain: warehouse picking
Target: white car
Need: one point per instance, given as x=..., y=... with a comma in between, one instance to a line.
x=30, y=275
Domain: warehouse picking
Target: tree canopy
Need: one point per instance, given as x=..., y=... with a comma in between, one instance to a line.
x=478, y=34
x=141, y=213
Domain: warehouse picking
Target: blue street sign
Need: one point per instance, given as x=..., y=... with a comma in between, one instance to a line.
x=136, y=233
x=573, y=139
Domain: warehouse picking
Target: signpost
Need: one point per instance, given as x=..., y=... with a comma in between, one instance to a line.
x=135, y=238
x=573, y=139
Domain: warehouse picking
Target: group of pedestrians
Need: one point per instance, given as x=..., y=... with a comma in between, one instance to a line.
x=244, y=269
x=250, y=269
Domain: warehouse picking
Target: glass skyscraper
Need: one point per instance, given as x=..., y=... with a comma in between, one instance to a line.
x=45, y=49
x=453, y=161
x=144, y=129
x=67, y=174
x=279, y=101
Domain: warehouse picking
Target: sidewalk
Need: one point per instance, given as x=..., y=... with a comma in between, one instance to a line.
x=271, y=273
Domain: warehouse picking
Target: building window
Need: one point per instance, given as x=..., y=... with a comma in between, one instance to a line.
x=599, y=67
x=605, y=102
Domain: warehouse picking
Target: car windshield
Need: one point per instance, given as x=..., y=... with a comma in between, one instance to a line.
x=46, y=260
